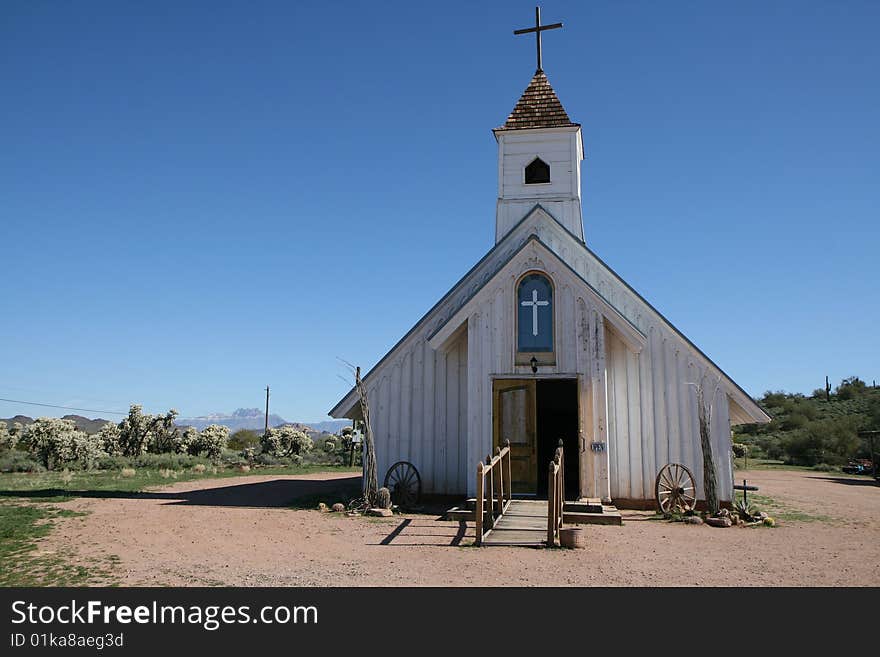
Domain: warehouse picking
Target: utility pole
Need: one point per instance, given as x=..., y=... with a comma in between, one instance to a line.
x=267, y=412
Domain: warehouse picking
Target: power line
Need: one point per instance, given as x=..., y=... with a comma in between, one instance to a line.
x=67, y=408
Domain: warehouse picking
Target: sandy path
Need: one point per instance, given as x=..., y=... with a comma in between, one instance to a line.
x=234, y=532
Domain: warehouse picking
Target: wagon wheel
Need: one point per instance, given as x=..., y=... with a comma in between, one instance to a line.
x=404, y=483
x=675, y=489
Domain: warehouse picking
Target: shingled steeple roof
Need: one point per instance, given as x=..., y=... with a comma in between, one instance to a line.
x=538, y=107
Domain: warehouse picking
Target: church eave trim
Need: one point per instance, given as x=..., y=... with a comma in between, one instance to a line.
x=336, y=410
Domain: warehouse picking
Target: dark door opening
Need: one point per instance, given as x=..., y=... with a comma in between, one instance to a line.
x=557, y=418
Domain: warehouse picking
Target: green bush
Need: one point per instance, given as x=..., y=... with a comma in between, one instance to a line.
x=165, y=461
x=244, y=438
x=17, y=461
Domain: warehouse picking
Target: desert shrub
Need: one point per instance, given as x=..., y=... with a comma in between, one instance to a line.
x=824, y=467
x=244, y=438
x=17, y=461
x=199, y=468
x=329, y=445
x=128, y=472
x=739, y=450
x=165, y=461
x=212, y=441
x=285, y=442
x=115, y=462
x=267, y=459
x=232, y=458
x=830, y=441
x=850, y=388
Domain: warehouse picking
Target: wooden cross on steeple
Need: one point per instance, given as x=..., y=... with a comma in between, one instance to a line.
x=537, y=30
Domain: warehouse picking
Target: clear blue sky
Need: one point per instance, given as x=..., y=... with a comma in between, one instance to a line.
x=199, y=199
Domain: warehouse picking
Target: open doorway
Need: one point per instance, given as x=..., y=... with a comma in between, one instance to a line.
x=534, y=415
x=556, y=414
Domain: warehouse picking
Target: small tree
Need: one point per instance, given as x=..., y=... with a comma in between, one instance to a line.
x=244, y=438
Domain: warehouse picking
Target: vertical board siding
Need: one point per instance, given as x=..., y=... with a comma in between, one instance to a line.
x=433, y=407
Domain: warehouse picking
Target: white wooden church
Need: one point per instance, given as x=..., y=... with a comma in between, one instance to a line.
x=542, y=341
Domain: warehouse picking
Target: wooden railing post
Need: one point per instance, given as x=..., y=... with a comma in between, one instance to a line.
x=551, y=506
x=499, y=484
x=490, y=487
x=478, y=505
x=508, y=477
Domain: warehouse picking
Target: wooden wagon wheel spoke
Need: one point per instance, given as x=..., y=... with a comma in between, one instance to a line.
x=674, y=489
x=404, y=483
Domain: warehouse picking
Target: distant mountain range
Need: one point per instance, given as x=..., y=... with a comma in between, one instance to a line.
x=243, y=418
x=254, y=419
x=82, y=423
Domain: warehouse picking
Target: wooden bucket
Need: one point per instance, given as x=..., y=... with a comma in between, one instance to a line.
x=573, y=537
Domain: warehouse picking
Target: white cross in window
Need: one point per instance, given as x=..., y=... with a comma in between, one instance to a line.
x=534, y=303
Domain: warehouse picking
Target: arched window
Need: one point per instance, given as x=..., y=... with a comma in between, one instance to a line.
x=534, y=304
x=538, y=171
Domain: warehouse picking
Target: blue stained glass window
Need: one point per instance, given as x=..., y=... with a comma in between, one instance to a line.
x=534, y=306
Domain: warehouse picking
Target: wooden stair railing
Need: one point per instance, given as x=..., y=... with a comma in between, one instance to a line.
x=555, y=496
x=494, y=491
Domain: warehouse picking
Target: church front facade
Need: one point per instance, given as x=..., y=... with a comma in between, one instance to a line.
x=542, y=342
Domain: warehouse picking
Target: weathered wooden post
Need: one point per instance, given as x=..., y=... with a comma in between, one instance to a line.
x=499, y=487
x=508, y=478
x=490, y=504
x=478, y=506
x=551, y=506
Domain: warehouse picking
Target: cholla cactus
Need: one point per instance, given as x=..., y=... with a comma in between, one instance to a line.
x=8, y=439
x=212, y=440
x=56, y=442
x=188, y=441
x=109, y=437
x=285, y=442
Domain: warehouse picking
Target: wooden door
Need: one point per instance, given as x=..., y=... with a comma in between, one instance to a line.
x=513, y=419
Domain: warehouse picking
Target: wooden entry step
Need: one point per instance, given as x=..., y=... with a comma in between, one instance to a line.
x=608, y=516
x=586, y=511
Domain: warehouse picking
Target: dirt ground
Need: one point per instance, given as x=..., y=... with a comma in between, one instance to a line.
x=238, y=532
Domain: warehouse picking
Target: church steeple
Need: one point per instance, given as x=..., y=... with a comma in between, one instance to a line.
x=539, y=158
x=538, y=107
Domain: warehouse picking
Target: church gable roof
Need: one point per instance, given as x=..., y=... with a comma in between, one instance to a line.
x=540, y=226
x=538, y=107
